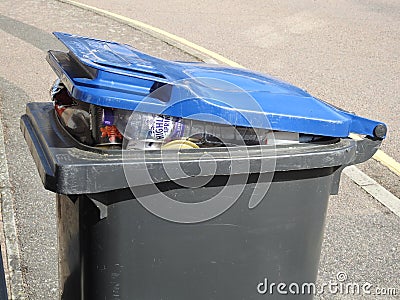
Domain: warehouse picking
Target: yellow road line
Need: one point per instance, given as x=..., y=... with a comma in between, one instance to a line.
x=387, y=161
x=380, y=156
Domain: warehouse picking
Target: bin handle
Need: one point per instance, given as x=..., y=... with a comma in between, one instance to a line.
x=361, y=125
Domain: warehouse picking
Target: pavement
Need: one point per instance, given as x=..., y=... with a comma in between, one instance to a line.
x=361, y=237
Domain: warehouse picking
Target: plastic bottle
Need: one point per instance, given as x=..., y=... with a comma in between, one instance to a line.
x=150, y=131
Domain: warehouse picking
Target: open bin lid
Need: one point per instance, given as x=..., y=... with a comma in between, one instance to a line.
x=115, y=75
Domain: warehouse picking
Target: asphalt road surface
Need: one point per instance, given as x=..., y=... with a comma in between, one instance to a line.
x=345, y=52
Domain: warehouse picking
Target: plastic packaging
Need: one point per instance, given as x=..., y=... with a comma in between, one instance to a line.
x=104, y=132
x=73, y=114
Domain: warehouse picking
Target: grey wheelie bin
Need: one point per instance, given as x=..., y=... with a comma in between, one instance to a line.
x=211, y=220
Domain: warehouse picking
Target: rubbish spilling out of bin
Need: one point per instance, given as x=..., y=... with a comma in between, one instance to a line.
x=102, y=126
x=111, y=95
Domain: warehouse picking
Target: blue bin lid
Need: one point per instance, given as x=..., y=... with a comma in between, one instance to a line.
x=116, y=75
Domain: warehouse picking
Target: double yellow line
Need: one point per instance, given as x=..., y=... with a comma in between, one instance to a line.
x=203, y=54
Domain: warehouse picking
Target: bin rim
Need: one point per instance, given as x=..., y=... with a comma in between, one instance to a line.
x=67, y=168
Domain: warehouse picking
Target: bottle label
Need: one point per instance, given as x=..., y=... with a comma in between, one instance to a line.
x=166, y=127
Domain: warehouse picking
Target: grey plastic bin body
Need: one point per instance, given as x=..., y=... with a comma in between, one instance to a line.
x=111, y=247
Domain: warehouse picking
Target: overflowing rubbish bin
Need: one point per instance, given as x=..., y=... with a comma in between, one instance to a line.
x=178, y=180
